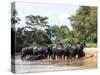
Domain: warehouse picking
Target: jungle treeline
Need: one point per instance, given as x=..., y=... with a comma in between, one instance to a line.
x=37, y=30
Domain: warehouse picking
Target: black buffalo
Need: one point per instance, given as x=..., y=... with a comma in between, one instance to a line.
x=36, y=51
x=73, y=49
x=59, y=51
x=40, y=50
x=69, y=49
x=26, y=51
x=55, y=50
x=49, y=51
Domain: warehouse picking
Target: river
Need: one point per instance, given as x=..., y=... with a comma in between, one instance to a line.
x=88, y=62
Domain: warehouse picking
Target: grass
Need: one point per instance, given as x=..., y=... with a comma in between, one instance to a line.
x=89, y=45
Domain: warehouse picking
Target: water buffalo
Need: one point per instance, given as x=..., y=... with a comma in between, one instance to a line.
x=69, y=49
x=49, y=51
x=60, y=51
x=40, y=50
x=79, y=49
x=26, y=51
x=36, y=51
x=55, y=50
x=73, y=49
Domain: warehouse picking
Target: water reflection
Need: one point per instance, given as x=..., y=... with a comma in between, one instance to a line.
x=75, y=62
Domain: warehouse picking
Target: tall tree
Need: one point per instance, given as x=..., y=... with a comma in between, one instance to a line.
x=37, y=24
x=84, y=23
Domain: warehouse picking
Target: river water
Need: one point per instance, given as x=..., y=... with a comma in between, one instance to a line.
x=87, y=62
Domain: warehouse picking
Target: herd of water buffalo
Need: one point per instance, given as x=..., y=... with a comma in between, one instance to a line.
x=56, y=51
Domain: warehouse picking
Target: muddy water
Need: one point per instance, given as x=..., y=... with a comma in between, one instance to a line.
x=89, y=61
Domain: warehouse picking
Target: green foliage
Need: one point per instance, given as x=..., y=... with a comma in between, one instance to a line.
x=68, y=40
x=19, y=41
x=36, y=20
x=39, y=36
x=59, y=33
x=89, y=45
x=84, y=23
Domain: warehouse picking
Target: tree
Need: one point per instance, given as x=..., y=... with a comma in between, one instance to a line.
x=58, y=33
x=19, y=39
x=37, y=24
x=84, y=23
x=37, y=20
x=14, y=18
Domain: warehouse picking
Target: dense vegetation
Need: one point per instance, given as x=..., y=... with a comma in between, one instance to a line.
x=38, y=32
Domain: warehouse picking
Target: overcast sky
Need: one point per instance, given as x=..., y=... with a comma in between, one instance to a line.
x=57, y=13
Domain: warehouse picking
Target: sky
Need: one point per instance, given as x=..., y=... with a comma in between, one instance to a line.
x=57, y=13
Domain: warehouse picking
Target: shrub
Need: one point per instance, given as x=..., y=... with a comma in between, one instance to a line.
x=68, y=40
